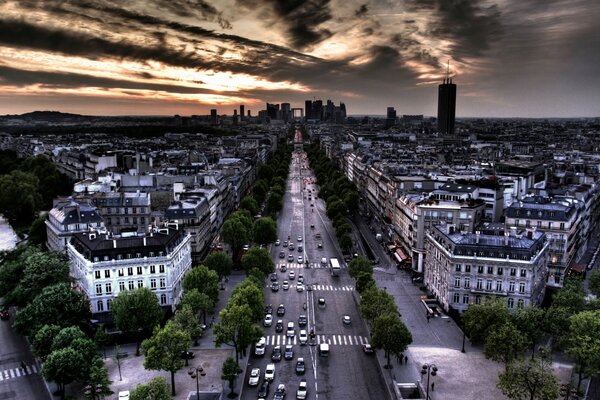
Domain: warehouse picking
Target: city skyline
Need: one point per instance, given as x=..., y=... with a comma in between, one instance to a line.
x=160, y=57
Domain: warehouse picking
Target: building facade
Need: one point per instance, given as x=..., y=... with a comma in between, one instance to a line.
x=67, y=218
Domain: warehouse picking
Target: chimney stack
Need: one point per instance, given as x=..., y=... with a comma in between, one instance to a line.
x=114, y=243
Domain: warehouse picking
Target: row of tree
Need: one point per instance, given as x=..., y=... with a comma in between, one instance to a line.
x=340, y=195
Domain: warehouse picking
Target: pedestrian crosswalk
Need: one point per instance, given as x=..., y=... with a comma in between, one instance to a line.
x=304, y=265
x=17, y=372
x=320, y=288
x=335, y=340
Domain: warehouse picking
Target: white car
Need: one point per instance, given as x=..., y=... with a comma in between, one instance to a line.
x=268, y=320
x=254, y=377
x=303, y=337
x=299, y=238
x=302, y=390
x=300, y=287
x=300, y=259
x=259, y=348
x=290, y=330
x=124, y=395
x=346, y=319
x=246, y=247
x=270, y=372
x=277, y=242
x=285, y=285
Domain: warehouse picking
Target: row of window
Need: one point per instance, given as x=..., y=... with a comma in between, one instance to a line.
x=125, y=220
x=129, y=256
x=131, y=285
x=490, y=270
x=125, y=210
x=489, y=285
x=561, y=226
x=466, y=299
x=121, y=271
x=100, y=303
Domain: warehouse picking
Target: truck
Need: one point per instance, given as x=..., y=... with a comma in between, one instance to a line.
x=335, y=267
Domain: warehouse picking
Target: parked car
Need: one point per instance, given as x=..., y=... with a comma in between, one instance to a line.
x=187, y=355
x=302, y=391
x=270, y=372
x=254, y=377
x=4, y=314
x=367, y=348
x=124, y=395
x=300, y=366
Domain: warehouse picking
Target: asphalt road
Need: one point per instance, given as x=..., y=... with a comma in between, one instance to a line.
x=15, y=383
x=347, y=373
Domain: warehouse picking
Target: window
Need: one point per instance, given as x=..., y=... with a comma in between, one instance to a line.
x=513, y=272
x=480, y=269
x=121, y=286
x=163, y=283
x=457, y=282
x=511, y=287
x=153, y=269
x=539, y=224
x=456, y=298
x=467, y=283
x=108, y=288
x=477, y=299
x=121, y=272
x=480, y=284
x=562, y=226
x=490, y=270
x=139, y=270
x=467, y=268
x=488, y=284
x=107, y=273
x=528, y=223
x=161, y=269
x=500, y=270
x=465, y=299
x=163, y=299
x=523, y=272
x=153, y=283
x=131, y=285
x=457, y=267
x=97, y=274
x=98, y=288
x=522, y=287
x=119, y=256
x=140, y=283
x=498, y=286
x=96, y=259
x=130, y=271
x=520, y=303
x=511, y=302
x=100, y=305
x=108, y=304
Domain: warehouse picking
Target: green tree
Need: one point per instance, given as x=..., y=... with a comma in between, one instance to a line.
x=571, y=296
x=57, y=304
x=37, y=231
x=351, y=201
x=229, y=373
x=583, y=343
x=63, y=367
x=258, y=258
x=43, y=339
x=203, y=279
x=265, y=231
x=265, y=172
x=275, y=203
x=249, y=203
x=391, y=335
x=163, y=350
x=136, y=313
x=155, y=389
x=220, y=262
x=42, y=269
x=594, y=282
x=336, y=208
x=187, y=320
x=364, y=280
x=359, y=265
x=529, y=380
x=19, y=197
x=530, y=321
x=235, y=235
x=257, y=276
x=66, y=337
x=480, y=319
x=345, y=242
x=236, y=328
x=505, y=343
x=376, y=302
x=97, y=384
x=247, y=292
x=199, y=302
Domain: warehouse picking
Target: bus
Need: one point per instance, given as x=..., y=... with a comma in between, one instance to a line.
x=335, y=267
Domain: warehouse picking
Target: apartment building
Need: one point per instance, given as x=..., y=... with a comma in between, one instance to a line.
x=67, y=218
x=193, y=215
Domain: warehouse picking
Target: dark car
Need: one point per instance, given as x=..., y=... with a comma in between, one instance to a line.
x=263, y=391
x=282, y=268
x=187, y=355
x=300, y=366
x=273, y=277
x=276, y=354
x=302, y=321
x=289, y=352
x=268, y=309
x=280, y=392
x=279, y=326
x=275, y=287
x=4, y=314
x=281, y=310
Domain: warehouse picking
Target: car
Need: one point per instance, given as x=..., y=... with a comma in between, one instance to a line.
x=270, y=372
x=280, y=392
x=289, y=352
x=312, y=205
x=282, y=254
x=246, y=247
x=285, y=243
x=281, y=310
x=254, y=377
x=276, y=353
x=290, y=330
x=291, y=247
x=367, y=348
x=263, y=391
x=268, y=309
x=300, y=248
x=259, y=348
x=319, y=245
x=292, y=275
x=291, y=258
x=324, y=261
x=309, y=287
x=300, y=278
x=302, y=391
x=282, y=268
x=346, y=319
x=312, y=226
x=318, y=236
x=187, y=355
x=303, y=337
x=279, y=326
x=275, y=287
x=273, y=277
x=300, y=287
x=302, y=321
x=299, y=238
x=300, y=259
x=285, y=285
x=321, y=302
x=124, y=395
x=268, y=320
x=300, y=366
x=277, y=242
x=4, y=314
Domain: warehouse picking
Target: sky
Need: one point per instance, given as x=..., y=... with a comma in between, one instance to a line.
x=509, y=58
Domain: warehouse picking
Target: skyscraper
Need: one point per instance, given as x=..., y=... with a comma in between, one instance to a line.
x=446, y=106
x=241, y=112
x=213, y=116
x=390, y=119
x=308, y=105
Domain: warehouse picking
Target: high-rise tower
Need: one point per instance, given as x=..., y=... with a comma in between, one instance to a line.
x=446, y=105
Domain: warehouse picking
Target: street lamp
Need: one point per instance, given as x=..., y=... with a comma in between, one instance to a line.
x=429, y=370
x=195, y=373
x=568, y=392
x=94, y=390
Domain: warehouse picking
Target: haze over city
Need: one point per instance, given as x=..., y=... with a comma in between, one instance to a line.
x=509, y=59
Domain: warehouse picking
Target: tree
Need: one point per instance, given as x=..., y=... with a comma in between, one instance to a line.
x=364, y=280
x=391, y=335
x=155, y=389
x=188, y=322
x=583, y=342
x=571, y=296
x=529, y=380
x=505, y=343
x=97, y=384
x=43, y=339
x=37, y=231
x=199, y=302
x=220, y=262
x=63, y=367
x=57, y=304
x=480, y=319
x=19, y=197
x=235, y=235
x=265, y=172
x=66, y=337
x=249, y=203
x=376, y=302
x=163, y=350
x=42, y=269
x=358, y=265
x=275, y=203
x=265, y=231
x=258, y=258
x=236, y=328
x=594, y=282
x=530, y=322
x=248, y=293
x=229, y=373
x=137, y=313
x=351, y=201
x=203, y=279
x=257, y=276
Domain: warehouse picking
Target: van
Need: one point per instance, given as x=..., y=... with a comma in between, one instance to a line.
x=324, y=350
